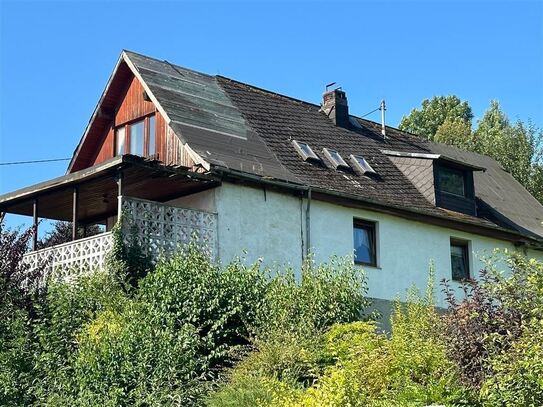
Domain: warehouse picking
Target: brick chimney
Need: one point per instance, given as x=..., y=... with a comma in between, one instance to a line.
x=334, y=105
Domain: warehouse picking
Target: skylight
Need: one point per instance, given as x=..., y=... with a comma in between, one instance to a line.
x=361, y=165
x=335, y=158
x=305, y=151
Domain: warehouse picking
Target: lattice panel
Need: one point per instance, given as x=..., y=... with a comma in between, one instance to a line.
x=163, y=228
x=71, y=259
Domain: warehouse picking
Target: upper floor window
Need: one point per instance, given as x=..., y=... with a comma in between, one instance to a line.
x=452, y=181
x=120, y=137
x=460, y=259
x=365, y=242
x=136, y=131
x=138, y=138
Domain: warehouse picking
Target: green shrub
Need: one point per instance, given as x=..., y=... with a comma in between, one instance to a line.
x=289, y=346
x=221, y=303
x=325, y=294
x=64, y=315
x=409, y=369
x=517, y=378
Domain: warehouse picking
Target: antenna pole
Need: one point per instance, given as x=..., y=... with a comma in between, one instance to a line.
x=382, y=108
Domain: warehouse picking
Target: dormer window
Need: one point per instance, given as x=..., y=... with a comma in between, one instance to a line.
x=454, y=187
x=452, y=181
x=305, y=151
x=137, y=137
x=335, y=158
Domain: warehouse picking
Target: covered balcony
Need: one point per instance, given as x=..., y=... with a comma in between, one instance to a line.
x=137, y=188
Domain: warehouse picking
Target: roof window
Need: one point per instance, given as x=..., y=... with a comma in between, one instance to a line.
x=305, y=151
x=335, y=158
x=361, y=165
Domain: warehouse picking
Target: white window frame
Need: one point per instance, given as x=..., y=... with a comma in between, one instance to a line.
x=298, y=146
x=359, y=167
x=337, y=164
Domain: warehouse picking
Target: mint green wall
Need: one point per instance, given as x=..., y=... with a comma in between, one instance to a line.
x=270, y=226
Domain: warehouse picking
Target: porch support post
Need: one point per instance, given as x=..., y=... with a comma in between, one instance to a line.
x=119, y=179
x=74, y=213
x=35, y=224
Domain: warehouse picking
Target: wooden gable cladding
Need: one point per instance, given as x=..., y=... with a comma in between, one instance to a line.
x=131, y=107
x=123, y=103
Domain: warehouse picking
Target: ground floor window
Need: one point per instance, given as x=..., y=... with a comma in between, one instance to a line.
x=365, y=246
x=460, y=259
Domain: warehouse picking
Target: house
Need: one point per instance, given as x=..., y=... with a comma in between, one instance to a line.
x=248, y=169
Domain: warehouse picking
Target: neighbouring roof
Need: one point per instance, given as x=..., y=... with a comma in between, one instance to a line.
x=236, y=127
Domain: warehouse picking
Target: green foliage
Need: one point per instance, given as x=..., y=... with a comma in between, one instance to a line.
x=434, y=113
x=517, y=374
x=68, y=308
x=455, y=132
x=350, y=364
x=221, y=303
x=325, y=294
x=518, y=147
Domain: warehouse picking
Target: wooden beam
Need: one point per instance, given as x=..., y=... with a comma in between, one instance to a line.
x=35, y=224
x=74, y=212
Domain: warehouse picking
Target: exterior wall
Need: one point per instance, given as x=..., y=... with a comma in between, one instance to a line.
x=263, y=223
x=271, y=225
x=405, y=248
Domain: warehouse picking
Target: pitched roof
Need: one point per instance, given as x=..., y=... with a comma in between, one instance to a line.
x=236, y=126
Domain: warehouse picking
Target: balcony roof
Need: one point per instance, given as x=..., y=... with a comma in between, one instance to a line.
x=98, y=190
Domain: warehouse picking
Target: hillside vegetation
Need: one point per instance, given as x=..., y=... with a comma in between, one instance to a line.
x=188, y=332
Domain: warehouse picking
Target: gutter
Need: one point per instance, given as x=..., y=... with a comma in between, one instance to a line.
x=411, y=213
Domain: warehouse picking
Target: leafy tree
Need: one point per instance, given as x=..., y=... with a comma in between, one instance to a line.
x=16, y=309
x=455, y=132
x=433, y=113
x=517, y=147
x=62, y=233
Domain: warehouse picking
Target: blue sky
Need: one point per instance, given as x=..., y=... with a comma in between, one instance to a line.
x=55, y=58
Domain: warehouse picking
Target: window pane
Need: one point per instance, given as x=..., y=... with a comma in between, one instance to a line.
x=364, y=248
x=451, y=181
x=459, y=262
x=119, y=140
x=136, y=138
x=152, y=135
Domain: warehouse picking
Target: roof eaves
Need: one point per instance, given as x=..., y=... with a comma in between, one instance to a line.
x=94, y=114
x=514, y=235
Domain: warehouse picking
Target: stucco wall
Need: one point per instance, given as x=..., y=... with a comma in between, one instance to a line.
x=264, y=223
x=271, y=226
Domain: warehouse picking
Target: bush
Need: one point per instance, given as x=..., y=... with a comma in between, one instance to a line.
x=59, y=322
x=493, y=313
x=17, y=310
x=288, y=351
x=325, y=294
x=410, y=368
x=517, y=374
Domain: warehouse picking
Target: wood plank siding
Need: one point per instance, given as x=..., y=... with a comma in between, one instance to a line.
x=133, y=107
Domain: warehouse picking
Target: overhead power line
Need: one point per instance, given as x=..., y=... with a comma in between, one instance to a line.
x=35, y=161
x=373, y=111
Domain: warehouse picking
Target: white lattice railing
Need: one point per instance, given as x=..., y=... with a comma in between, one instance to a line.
x=72, y=258
x=161, y=228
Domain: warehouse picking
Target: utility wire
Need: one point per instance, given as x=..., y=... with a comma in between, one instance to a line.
x=373, y=111
x=35, y=161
